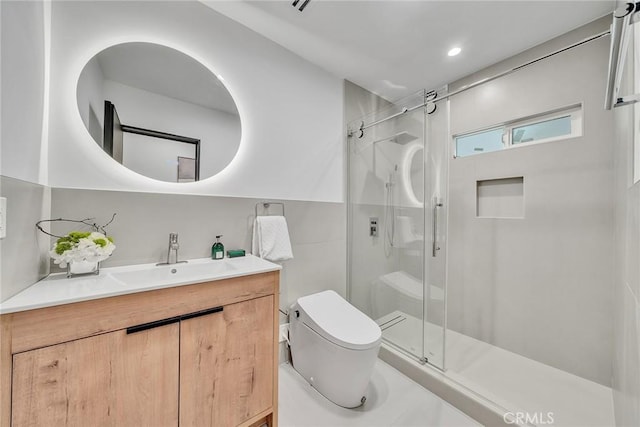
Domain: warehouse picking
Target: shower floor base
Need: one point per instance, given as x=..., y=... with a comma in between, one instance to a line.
x=512, y=381
x=405, y=332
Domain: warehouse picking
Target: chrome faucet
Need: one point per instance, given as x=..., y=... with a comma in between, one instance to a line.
x=173, y=246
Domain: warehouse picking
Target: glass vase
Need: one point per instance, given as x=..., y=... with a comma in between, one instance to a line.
x=81, y=268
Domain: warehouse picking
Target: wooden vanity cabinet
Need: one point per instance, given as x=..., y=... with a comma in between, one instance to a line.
x=113, y=379
x=226, y=360
x=196, y=355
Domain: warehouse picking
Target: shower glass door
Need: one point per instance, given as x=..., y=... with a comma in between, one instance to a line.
x=388, y=237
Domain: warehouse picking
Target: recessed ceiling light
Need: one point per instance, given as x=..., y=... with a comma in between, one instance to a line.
x=454, y=51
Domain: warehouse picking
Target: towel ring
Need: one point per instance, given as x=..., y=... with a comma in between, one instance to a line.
x=266, y=205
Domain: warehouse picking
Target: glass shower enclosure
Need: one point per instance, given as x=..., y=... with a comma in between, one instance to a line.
x=397, y=223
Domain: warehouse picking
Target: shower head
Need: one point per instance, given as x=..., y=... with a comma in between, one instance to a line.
x=401, y=138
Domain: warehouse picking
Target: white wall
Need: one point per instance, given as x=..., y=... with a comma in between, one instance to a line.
x=292, y=148
x=23, y=253
x=22, y=77
x=626, y=350
x=291, y=110
x=219, y=132
x=540, y=286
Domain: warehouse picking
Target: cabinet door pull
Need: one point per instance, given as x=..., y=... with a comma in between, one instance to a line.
x=168, y=321
x=202, y=313
x=151, y=325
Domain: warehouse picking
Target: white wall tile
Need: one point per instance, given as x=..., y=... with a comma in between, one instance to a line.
x=540, y=286
x=626, y=345
x=24, y=255
x=144, y=221
x=627, y=365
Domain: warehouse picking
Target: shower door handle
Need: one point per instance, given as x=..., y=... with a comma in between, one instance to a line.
x=434, y=229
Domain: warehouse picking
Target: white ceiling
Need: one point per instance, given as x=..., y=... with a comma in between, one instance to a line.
x=167, y=72
x=395, y=48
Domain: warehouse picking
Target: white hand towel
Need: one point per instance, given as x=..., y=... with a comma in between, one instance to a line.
x=271, y=238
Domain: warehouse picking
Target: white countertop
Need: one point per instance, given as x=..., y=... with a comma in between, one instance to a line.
x=57, y=289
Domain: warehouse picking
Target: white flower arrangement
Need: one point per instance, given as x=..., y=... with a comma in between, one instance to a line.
x=78, y=246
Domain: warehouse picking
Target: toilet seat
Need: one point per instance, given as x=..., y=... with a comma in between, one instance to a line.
x=333, y=318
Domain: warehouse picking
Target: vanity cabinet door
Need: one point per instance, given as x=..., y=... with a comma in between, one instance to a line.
x=226, y=364
x=113, y=379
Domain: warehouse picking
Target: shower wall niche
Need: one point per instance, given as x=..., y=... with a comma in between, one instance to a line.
x=500, y=198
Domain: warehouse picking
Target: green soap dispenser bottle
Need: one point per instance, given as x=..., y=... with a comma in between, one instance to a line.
x=217, y=250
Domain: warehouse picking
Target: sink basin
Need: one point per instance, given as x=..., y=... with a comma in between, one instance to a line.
x=190, y=272
x=57, y=289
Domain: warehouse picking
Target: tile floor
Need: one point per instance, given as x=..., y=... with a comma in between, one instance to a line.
x=392, y=400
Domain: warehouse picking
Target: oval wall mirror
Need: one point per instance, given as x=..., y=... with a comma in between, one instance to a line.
x=159, y=112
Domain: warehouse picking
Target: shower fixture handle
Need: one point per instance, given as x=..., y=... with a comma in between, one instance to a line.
x=437, y=203
x=373, y=226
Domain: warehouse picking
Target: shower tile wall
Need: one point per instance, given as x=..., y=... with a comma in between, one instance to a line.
x=539, y=286
x=359, y=102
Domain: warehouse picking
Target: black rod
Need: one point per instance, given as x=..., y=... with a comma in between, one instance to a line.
x=169, y=136
x=107, y=138
x=158, y=134
x=198, y=160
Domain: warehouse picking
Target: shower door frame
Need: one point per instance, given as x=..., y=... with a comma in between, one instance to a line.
x=426, y=202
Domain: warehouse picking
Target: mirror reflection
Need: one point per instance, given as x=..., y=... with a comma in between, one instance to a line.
x=159, y=112
x=413, y=173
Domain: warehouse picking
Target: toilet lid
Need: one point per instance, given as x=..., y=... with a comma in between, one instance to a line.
x=328, y=314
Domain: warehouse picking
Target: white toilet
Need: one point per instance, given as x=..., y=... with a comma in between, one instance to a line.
x=334, y=346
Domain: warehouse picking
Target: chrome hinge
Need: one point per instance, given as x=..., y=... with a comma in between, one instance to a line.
x=423, y=360
x=627, y=100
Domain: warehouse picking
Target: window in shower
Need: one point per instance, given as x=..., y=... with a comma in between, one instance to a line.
x=551, y=126
x=480, y=142
x=562, y=125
